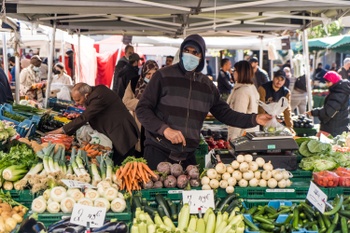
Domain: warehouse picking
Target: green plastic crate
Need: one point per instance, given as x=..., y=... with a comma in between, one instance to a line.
x=333, y=192
x=249, y=203
x=301, y=174
x=171, y=193
x=48, y=219
x=25, y=197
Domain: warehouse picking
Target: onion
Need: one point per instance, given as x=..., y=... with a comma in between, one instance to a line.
x=278, y=175
x=260, y=161
x=214, y=184
x=243, y=167
x=257, y=174
x=286, y=174
x=268, y=166
x=248, y=158
x=253, y=166
x=282, y=184
x=220, y=168
x=225, y=176
x=231, y=181
x=243, y=183
x=248, y=175
x=229, y=169
x=206, y=187
x=230, y=189
x=205, y=180
x=235, y=164
x=254, y=182
x=288, y=182
x=212, y=173
x=272, y=183
x=262, y=183
x=240, y=158
x=237, y=175
x=223, y=184
x=266, y=175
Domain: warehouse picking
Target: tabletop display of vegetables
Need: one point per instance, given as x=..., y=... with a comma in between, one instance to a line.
x=223, y=219
x=301, y=217
x=173, y=175
x=133, y=173
x=7, y=130
x=94, y=150
x=58, y=199
x=11, y=213
x=245, y=172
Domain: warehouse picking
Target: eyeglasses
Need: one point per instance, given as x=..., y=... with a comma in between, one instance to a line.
x=193, y=52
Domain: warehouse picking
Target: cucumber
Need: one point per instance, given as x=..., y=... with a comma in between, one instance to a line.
x=163, y=203
x=226, y=201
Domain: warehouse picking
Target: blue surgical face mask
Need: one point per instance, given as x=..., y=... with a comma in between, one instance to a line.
x=190, y=61
x=146, y=80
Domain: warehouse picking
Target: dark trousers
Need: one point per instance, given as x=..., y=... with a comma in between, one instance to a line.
x=118, y=159
x=154, y=155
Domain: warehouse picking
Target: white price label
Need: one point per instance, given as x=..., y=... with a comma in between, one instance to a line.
x=83, y=214
x=76, y=184
x=317, y=197
x=203, y=199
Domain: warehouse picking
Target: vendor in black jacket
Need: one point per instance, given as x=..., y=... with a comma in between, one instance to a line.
x=334, y=114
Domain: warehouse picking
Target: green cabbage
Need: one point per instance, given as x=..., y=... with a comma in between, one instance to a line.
x=324, y=164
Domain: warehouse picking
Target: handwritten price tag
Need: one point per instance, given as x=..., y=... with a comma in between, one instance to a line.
x=203, y=199
x=83, y=214
x=317, y=197
x=76, y=184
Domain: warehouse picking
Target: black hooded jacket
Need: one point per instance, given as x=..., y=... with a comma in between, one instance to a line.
x=181, y=99
x=334, y=114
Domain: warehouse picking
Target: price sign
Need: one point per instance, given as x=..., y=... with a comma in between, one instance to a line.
x=76, y=184
x=83, y=214
x=202, y=199
x=317, y=197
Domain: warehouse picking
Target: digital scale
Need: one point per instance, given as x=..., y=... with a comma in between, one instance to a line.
x=275, y=147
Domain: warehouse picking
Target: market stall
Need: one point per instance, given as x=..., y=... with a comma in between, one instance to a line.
x=260, y=182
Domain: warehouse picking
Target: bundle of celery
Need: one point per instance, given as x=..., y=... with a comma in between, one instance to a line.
x=210, y=223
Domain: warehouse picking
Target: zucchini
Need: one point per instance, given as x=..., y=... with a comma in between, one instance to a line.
x=172, y=207
x=261, y=219
x=267, y=227
x=343, y=225
x=251, y=226
x=163, y=203
x=161, y=211
x=226, y=201
x=151, y=211
x=136, y=202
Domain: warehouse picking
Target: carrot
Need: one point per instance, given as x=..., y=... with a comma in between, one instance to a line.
x=119, y=171
x=125, y=169
x=148, y=170
x=134, y=171
x=142, y=173
x=95, y=153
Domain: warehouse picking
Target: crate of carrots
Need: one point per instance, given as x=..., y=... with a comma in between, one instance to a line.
x=94, y=150
x=326, y=178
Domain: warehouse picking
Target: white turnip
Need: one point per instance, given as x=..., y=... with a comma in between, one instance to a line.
x=170, y=182
x=182, y=181
x=176, y=170
x=164, y=167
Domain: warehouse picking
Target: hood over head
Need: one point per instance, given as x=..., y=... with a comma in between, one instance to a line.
x=195, y=41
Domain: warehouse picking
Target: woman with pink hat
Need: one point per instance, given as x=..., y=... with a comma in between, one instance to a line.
x=334, y=115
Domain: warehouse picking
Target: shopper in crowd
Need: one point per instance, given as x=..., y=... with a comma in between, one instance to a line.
x=129, y=49
x=5, y=89
x=334, y=115
x=129, y=72
x=12, y=62
x=30, y=82
x=244, y=97
x=106, y=113
x=209, y=70
x=334, y=66
x=260, y=75
x=343, y=71
x=60, y=75
x=319, y=73
x=224, y=80
x=169, y=61
x=273, y=91
x=133, y=94
x=298, y=99
x=175, y=103
x=286, y=70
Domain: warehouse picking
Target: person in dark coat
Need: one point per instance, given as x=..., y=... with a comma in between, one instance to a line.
x=128, y=73
x=260, y=75
x=5, y=89
x=106, y=113
x=129, y=49
x=224, y=80
x=334, y=115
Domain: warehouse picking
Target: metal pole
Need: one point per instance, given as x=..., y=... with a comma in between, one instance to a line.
x=307, y=68
x=50, y=63
x=78, y=59
x=4, y=54
x=63, y=54
x=18, y=65
x=261, y=52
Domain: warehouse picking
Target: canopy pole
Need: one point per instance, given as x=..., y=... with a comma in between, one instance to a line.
x=18, y=66
x=50, y=63
x=116, y=61
x=4, y=54
x=78, y=59
x=307, y=68
x=63, y=54
x=261, y=51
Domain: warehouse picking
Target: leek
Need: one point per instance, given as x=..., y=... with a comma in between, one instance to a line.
x=14, y=172
x=96, y=178
x=39, y=205
x=109, y=168
x=102, y=165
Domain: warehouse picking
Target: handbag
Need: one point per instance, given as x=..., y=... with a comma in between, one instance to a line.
x=300, y=83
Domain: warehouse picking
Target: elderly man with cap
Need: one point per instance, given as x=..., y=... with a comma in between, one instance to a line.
x=260, y=75
x=175, y=103
x=334, y=115
x=30, y=82
x=344, y=70
x=128, y=73
x=273, y=91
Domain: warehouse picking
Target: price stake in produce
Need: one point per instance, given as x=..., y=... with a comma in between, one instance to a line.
x=83, y=214
x=76, y=184
x=203, y=199
x=317, y=197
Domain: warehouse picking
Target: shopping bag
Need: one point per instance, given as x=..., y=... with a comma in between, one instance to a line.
x=274, y=109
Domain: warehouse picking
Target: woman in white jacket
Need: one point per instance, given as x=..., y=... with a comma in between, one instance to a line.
x=244, y=96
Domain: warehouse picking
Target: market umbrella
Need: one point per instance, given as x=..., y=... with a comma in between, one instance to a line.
x=314, y=45
x=342, y=45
